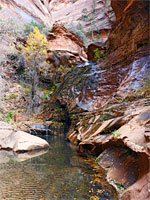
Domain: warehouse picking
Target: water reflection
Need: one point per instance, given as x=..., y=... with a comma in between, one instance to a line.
x=58, y=174
x=10, y=156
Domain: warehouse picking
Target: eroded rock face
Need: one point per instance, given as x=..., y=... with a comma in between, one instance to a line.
x=19, y=141
x=90, y=87
x=85, y=16
x=132, y=29
x=26, y=11
x=81, y=16
x=126, y=62
x=66, y=47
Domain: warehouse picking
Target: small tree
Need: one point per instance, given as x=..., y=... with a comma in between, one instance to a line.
x=36, y=53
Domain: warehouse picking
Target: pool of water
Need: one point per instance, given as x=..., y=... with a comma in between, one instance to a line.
x=58, y=173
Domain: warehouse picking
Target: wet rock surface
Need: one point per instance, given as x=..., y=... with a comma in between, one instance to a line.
x=89, y=87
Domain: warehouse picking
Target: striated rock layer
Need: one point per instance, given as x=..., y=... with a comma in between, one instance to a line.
x=26, y=11
x=81, y=16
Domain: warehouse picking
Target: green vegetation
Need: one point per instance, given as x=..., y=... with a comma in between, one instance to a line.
x=25, y=85
x=28, y=28
x=0, y=7
x=116, y=133
x=99, y=157
x=105, y=116
x=98, y=54
x=4, y=98
x=27, y=90
x=44, y=98
x=9, y=116
x=19, y=46
x=72, y=116
x=120, y=186
x=73, y=1
x=13, y=96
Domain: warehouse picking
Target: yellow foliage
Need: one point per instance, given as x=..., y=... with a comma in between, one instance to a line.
x=36, y=48
x=94, y=197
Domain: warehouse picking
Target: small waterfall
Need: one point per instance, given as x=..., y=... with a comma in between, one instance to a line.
x=87, y=94
x=40, y=129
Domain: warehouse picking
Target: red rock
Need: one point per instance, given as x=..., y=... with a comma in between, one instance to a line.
x=60, y=36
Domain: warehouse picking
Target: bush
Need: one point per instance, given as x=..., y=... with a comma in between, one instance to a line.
x=9, y=116
x=98, y=55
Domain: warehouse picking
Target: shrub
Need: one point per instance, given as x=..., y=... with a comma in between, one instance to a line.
x=9, y=116
x=99, y=54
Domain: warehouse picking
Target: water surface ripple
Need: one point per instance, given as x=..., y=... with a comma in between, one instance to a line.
x=58, y=174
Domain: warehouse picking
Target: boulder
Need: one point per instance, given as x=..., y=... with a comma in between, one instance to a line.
x=121, y=164
x=20, y=141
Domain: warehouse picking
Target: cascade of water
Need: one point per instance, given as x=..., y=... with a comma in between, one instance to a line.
x=86, y=96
